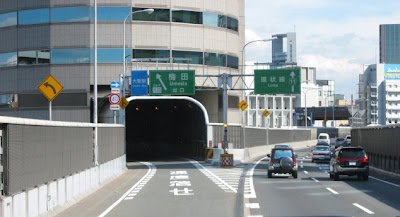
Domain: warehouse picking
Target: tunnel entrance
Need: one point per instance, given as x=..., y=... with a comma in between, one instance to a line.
x=165, y=127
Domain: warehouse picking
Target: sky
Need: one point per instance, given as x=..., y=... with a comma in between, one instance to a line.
x=336, y=36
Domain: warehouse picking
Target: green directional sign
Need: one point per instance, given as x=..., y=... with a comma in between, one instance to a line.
x=277, y=81
x=171, y=82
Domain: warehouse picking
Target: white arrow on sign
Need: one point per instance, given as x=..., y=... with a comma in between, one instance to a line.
x=292, y=81
x=158, y=76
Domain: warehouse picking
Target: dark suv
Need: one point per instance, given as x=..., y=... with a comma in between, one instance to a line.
x=349, y=161
x=282, y=160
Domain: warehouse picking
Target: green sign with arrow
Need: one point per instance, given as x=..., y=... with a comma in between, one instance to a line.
x=277, y=81
x=171, y=82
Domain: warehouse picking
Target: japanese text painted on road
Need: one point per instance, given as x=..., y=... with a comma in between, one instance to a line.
x=171, y=82
x=277, y=81
x=180, y=180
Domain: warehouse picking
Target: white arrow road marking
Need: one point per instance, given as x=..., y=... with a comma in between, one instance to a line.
x=158, y=76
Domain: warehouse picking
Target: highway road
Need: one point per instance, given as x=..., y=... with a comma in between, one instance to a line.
x=184, y=187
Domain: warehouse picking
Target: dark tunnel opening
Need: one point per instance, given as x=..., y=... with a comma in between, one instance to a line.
x=157, y=128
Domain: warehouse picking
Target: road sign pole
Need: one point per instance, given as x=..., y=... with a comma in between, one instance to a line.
x=50, y=116
x=225, y=108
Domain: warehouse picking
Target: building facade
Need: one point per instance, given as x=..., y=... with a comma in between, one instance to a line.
x=379, y=94
x=389, y=43
x=284, y=49
x=53, y=37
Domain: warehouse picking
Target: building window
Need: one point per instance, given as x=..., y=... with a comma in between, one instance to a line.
x=182, y=16
x=214, y=59
x=232, y=62
x=8, y=59
x=33, y=16
x=195, y=57
x=34, y=57
x=78, y=14
x=153, y=54
x=110, y=55
x=80, y=55
x=161, y=15
x=8, y=19
x=216, y=20
x=232, y=24
x=110, y=13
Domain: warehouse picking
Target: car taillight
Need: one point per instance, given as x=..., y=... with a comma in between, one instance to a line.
x=364, y=160
x=271, y=162
x=339, y=159
x=294, y=161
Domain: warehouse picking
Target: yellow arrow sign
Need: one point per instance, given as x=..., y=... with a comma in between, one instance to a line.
x=50, y=88
x=123, y=103
x=266, y=113
x=243, y=105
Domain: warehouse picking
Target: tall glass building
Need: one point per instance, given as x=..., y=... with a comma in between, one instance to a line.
x=54, y=37
x=389, y=43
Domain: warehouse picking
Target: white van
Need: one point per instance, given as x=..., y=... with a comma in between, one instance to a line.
x=324, y=137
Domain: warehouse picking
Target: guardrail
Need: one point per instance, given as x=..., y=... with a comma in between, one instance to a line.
x=46, y=164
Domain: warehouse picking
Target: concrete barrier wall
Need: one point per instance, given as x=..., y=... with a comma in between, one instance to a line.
x=381, y=144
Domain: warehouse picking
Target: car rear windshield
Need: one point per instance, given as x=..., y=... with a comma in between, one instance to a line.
x=340, y=139
x=322, y=148
x=323, y=144
x=352, y=153
x=322, y=137
x=282, y=153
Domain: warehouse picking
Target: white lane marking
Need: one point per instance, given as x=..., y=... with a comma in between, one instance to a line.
x=128, y=198
x=199, y=166
x=331, y=190
x=389, y=183
x=255, y=216
x=305, y=172
x=315, y=180
x=250, y=178
x=151, y=167
x=363, y=208
x=253, y=205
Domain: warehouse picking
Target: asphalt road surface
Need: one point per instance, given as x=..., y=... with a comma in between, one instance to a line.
x=184, y=187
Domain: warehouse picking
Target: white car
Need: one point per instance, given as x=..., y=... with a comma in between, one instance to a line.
x=324, y=137
x=348, y=139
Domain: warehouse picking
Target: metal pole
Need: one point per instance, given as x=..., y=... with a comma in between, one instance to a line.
x=50, y=115
x=306, y=107
x=225, y=110
x=95, y=117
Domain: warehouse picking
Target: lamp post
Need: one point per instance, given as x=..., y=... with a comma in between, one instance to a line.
x=149, y=11
x=305, y=101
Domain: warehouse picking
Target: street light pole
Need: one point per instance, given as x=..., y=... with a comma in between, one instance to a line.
x=95, y=115
x=149, y=11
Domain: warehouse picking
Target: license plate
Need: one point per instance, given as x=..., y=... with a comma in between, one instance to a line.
x=352, y=163
x=277, y=165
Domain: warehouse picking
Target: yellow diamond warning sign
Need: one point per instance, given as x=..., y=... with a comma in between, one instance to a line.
x=50, y=88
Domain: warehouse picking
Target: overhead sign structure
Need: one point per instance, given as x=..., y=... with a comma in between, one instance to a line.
x=243, y=105
x=114, y=101
x=139, y=85
x=171, y=82
x=50, y=88
x=277, y=81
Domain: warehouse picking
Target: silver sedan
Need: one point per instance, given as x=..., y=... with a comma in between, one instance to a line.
x=321, y=153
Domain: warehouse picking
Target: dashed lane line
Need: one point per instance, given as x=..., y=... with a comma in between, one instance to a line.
x=331, y=190
x=305, y=172
x=150, y=173
x=253, y=205
x=315, y=180
x=363, y=208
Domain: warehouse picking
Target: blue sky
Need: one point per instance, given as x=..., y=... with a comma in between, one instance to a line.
x=335, y=36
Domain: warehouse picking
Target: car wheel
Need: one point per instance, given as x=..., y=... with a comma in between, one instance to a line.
x=336, y=177
x=294, y=174
x=269, y=174
x=312, y=161
x=330, y=175
x=365, y=177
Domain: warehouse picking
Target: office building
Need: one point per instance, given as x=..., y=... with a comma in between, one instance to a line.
x=389, y=43
x=379, y=94
x=284, y=50
x=42, y=38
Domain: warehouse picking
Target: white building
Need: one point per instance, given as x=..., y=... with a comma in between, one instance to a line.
x=379, y=93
